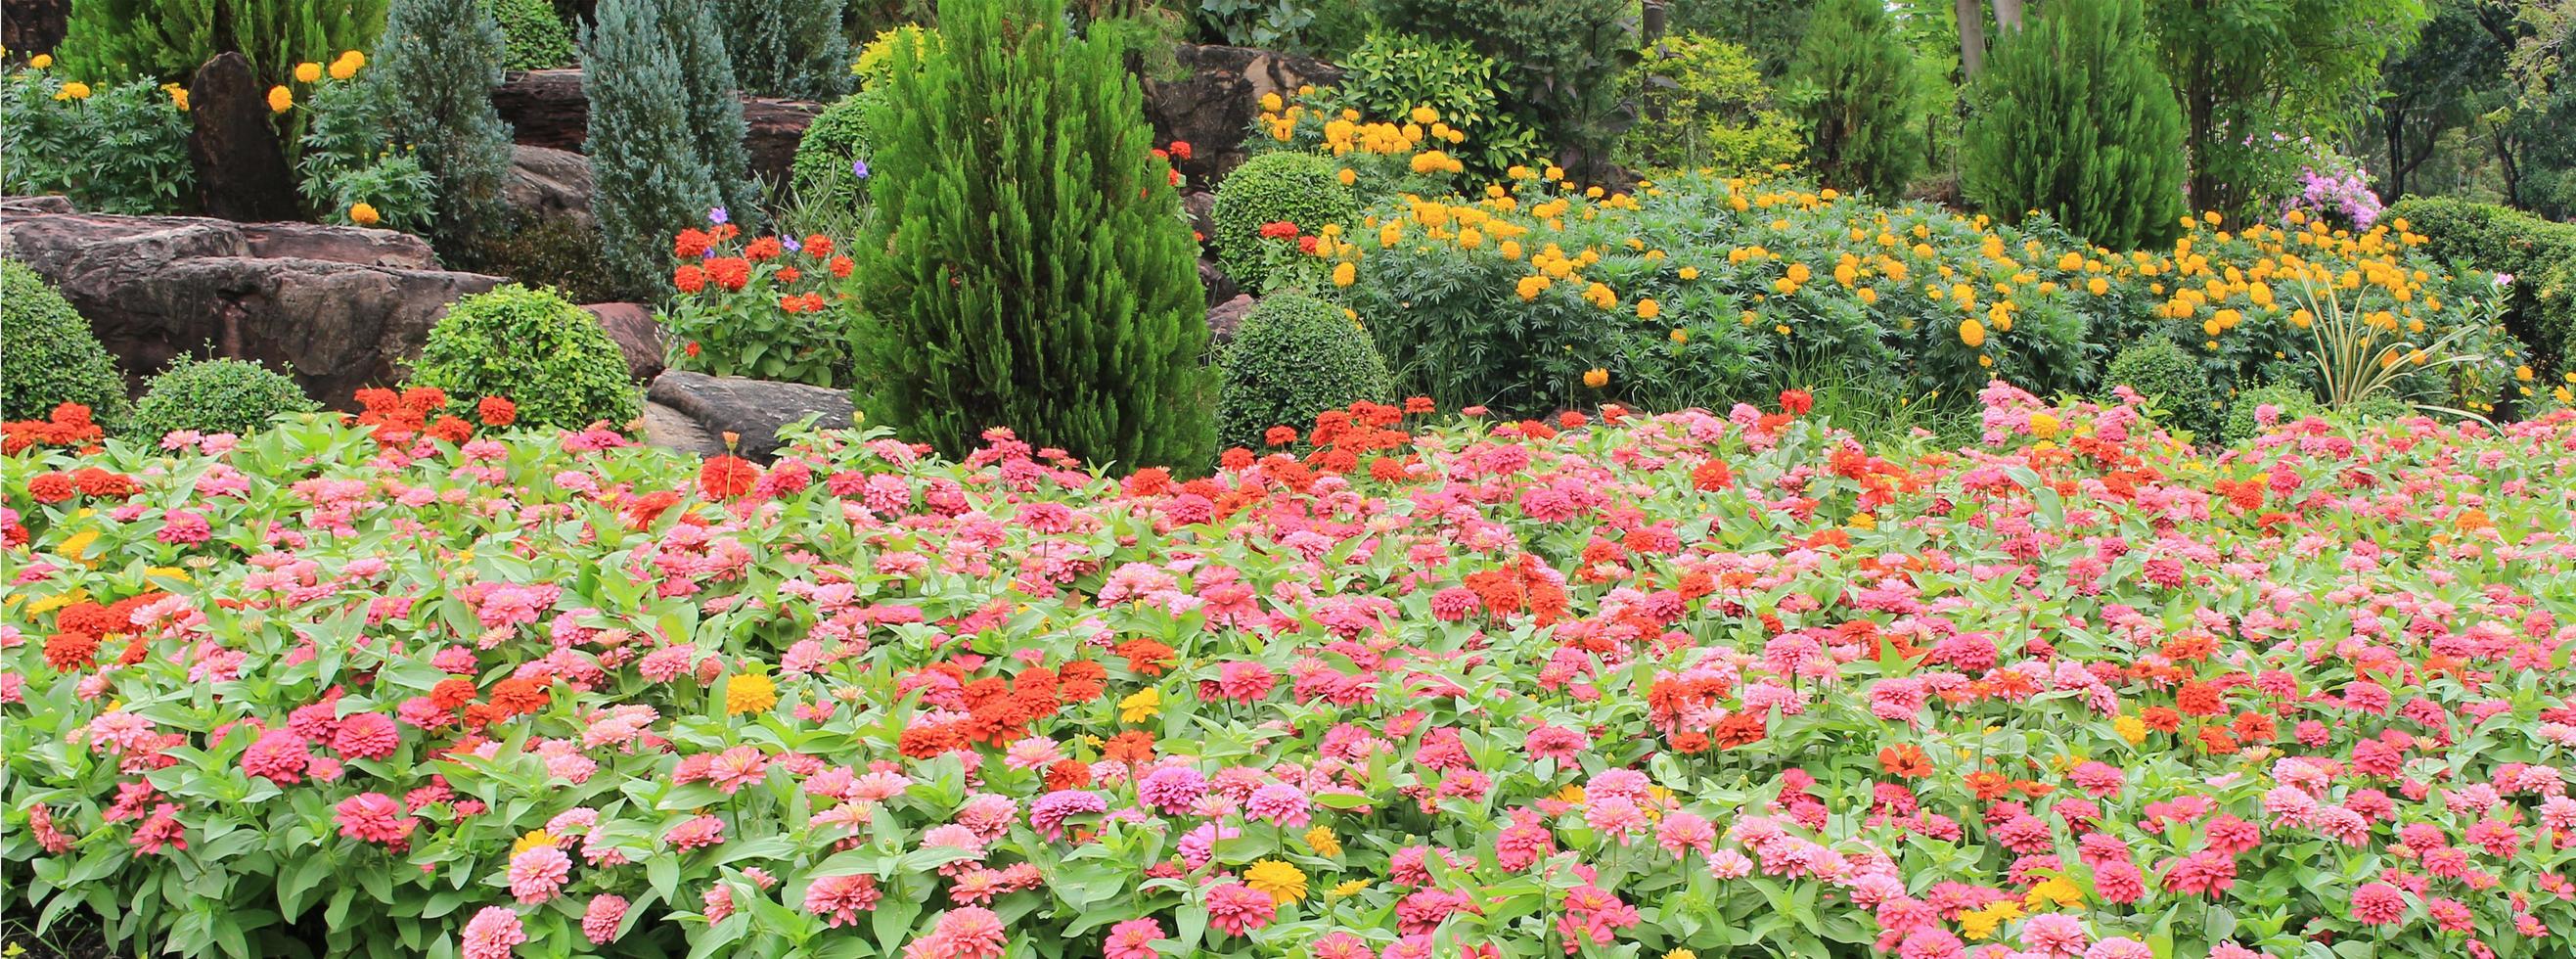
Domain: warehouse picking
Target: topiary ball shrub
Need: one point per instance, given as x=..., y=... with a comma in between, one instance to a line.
x=1295, y=356
x=1299, y=188
x=534, y=348
x=826, y=169
x=49, y=357
x=2164, y=374
x=2293, y=401
x=536, y=36
x=215, y=396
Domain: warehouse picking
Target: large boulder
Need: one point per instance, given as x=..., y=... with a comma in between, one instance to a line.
x=336, y=307
x=32, y=26
x=632, y=327
x=241, y=169
x=547, y=108
x=1213, y=106
x=697, y=410
x=550, y=184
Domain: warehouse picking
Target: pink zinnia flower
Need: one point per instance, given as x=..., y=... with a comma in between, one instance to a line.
x=492, y=934
x=366, y=736
x=1235, y=908
x=374, y=817
x=1280, y=803
x=735, y=768
x=599, y=922
x=2055, y=935
x=841, y=898
x=2378, y=904
x=1133, y=940
x=538, y=872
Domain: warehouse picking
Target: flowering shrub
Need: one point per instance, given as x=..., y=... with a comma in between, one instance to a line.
x=112, y=148
x=772, y=307
x=1691, y=290
x=1731, y=684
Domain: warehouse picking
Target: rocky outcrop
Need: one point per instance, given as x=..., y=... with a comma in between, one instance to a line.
x=1224, y=318
x=336, y=307
x=696, y=410
x=1212, y=108
x=632, y=327
x=550, y=184
x=241, y=169
x=548, y=109
x=32, y=26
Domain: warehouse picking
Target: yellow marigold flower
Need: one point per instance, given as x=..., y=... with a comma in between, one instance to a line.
x=363, y=214
x=308, y=72
x=1270, y=103
x=1972, y=333
x=1689, y=273
x=1425, y=115
x=1323, y=842
x=1681, y=954
x=1596, y=377
x=280, y=99
x=1345, y=274
x=1649, y=309
x=345, y=67
x=74, y=90
x=1140, y=705
x=178, y=96
x=750, y=693
x=1348, y=176
x=1285, y=883
x=41, y=60
x=1599, y=294
x=1531, y=286
x=2097, y=286
x=1681, y=335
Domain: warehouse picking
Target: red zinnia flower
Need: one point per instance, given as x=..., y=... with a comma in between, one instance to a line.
x=726, y=477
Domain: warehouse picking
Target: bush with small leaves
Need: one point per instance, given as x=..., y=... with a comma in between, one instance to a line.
x=1295, y=356
x=534, y=348
x=1299, y=188
x=2171, y=379
x=830, y=156
x=48, y=356
x=2291, y=400
x=215, y=396
x=536, y=34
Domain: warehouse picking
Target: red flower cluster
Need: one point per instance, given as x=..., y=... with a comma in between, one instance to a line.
x=999, y=709
x=69, y=426
x=398, y=417
x=88, y=481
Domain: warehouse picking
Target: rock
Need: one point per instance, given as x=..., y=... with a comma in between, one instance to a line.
x=550, y=183
x=673, y=430
x=1218, y=285
x=32, y=26
x=18, y=205
x=336, y=307
x=1200, y=205
x=1225, y=317
x=1213, y=107
x=548, y=109
x=637, y=334
x=752, y=410
x=241, y=170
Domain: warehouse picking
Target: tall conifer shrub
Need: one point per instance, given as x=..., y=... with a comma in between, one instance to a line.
x=436, y=69
x=789, y=48
x=666, y=131
x=1028, y=261
x=2074, y=119
x=1856, y=79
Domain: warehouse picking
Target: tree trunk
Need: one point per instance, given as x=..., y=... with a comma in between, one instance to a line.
x=2007, y=16
x=1972, y=36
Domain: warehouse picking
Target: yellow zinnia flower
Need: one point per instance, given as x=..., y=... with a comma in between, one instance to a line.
x=1285, y=883
x=750, y=693
x=1140, y=705
x=1323, y=842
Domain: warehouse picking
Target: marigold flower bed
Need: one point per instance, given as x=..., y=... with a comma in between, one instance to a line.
x=1638, y=686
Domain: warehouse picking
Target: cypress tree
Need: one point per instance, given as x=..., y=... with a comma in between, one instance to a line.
x=1028, y=261
x=789, y=48
x=666, y=131
x=1857, y=79
x=2075, y=119
x=434, y=73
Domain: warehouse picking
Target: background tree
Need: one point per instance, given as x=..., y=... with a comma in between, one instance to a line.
x=1561, y=64
x=2074, y=120
x=788, y=48
x=433, y=77
x=169, y=39
x=1028, y=259
x=1855, y=82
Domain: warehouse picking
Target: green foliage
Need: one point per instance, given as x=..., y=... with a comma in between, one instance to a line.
x=2291, y=401
x=1293, y=357
x=876, y=60
x=534, y=33
x=1854, y=82
x=1299, y=188
x=2170, y=379
x=1702, y=105
x=2073, y=119
x=534, y=348
x=1391, y=73
x=215, y=396
x=2257, y=77
x=350, y=158
x=2540, y=301
x=1769, y=30
x=557, y=252
x=788, y=48
x=121, y=149
x=435, y=74
x=825, y=170
x=1031, y=270
x=1561, y=64
x=1273, y=24
x=168, y=40
x=49, y=357
x=665, y=138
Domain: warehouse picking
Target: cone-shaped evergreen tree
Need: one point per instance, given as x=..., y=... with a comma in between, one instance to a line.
x=789, y=48
x=1028, y=261
x=1857, y=80
x=666, y=131
x=2075, y=120
x=437, y=66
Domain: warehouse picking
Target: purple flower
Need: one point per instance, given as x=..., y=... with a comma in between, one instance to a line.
x=2504, y=279
x=789, y=244
x=717, y=215
x=859, y=168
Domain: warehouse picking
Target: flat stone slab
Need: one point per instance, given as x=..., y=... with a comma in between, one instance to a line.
x=752, y=410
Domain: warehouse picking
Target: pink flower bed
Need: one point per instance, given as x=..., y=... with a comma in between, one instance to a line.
x=1687, y=684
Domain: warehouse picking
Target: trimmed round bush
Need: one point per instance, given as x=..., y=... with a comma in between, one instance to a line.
x=534, y=348
x=2295, y=402
x=49, y=357
x=536, y=36
x=1295, y=356
x=823, y=171
x=215, y=396
x=1299, y=188
x=2163, y=373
